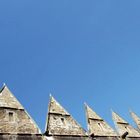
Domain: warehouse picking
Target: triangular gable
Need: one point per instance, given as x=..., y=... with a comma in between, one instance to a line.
x=8, y=100
x=60, y=122
x=123, y=126
x=13, y=117
x=91, y=114
x=96, y=125
x=56, y=108
x=136, y=119
x=118, y=119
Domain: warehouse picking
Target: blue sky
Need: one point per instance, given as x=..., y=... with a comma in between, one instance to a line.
x=79, y=51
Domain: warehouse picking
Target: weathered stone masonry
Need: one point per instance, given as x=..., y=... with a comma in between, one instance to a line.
x=17, y=124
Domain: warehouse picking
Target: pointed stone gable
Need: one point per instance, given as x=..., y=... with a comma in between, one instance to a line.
x=91, y=114
x=8, y=100
x=118, y=119
x=56, y=108
x=136, y=119
x=123, y=126
x=13, y=117
x=97, y=125
x=60, y=122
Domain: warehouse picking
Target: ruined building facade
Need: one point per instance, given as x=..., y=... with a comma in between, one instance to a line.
x=17, y=124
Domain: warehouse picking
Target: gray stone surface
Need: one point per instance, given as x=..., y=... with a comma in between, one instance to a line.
x=13, y=117
x=136, y=119
x=21, y=137
x=60, y=122
x=16, y=123
x=123, y=126
x=80, y=138
x=8, y=100
x=96, y=125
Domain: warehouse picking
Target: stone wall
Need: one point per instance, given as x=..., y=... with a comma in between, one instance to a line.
x=17, y=124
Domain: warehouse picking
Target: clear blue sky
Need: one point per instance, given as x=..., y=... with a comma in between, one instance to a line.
x=77, y=50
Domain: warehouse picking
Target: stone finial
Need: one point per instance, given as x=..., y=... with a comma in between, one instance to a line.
x=60, y=122
x=123, y=126
x=96, y=125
